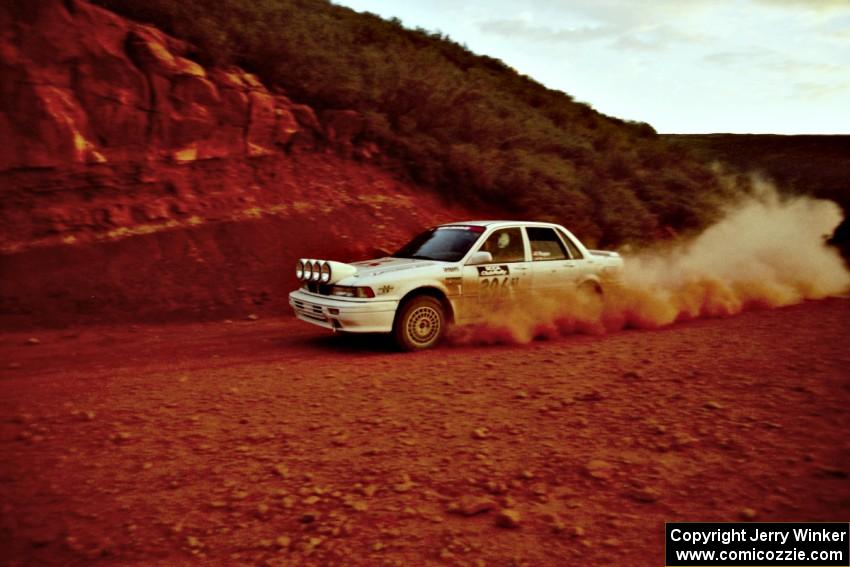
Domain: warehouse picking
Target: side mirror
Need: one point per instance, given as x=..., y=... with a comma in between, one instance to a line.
x=480, y=257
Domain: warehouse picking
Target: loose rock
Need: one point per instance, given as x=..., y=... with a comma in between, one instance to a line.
x=283, y=541
x=193, y=542
x=405, y=485
x=645, y=495
x=599, y=469
x=472, y=505
x=508, y=518
x=480, y=433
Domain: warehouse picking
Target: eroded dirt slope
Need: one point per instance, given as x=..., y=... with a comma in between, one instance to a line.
x=270, y=442
x=138, y=185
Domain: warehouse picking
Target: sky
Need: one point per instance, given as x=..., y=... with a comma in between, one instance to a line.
x=684, y=66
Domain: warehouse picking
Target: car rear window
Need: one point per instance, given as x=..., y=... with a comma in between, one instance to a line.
x=545, y=244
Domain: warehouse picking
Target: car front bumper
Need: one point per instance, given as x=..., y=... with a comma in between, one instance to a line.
x=339, y=314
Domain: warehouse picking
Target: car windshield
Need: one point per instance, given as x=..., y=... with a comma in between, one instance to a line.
x=444, y=243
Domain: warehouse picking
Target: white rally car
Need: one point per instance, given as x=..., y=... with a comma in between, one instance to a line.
x=450, y=273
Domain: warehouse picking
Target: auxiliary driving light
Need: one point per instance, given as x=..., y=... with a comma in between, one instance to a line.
x=308, y=270
x=325, y=272
x=317, y=269
x=299, y=269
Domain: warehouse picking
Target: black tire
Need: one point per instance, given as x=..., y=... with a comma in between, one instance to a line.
x=419, y=323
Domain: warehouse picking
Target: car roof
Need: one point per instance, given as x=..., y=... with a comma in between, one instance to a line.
x=489, y=223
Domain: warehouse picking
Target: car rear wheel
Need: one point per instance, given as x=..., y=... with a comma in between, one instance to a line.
x=419, y=323
x=591, y=289
x=592, y=297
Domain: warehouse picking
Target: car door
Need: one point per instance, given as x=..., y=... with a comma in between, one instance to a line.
x=502, y=281
x=555, y=265
x=583, y=264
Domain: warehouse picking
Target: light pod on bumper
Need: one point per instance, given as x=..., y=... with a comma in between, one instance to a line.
x=325, y=272
x=322, y=271
x=339, y=271
x=317, y=270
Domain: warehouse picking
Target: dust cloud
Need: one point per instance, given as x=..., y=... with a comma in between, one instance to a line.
x=766, y=251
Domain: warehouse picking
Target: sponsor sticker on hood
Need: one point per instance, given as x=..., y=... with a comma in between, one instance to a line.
x=387, y=265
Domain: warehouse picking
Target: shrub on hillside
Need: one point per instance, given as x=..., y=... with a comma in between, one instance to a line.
x=467, y=125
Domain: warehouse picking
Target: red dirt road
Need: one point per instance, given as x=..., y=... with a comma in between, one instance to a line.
x=270, y=442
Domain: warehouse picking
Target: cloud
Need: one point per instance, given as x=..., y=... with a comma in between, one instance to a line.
x=787, y=65
x=628, y=15
x=522, y=28
x=631, y=42
x=624, y=37
x=810, y=90
x=773, y=61
x=728, y=58
x=656, y=38
x=819, y=5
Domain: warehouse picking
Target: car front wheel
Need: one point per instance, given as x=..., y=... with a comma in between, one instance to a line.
x=419, y=323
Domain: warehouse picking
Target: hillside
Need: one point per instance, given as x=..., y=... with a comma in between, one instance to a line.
x=465, y=125
x=799, y=165
x=810, y=165
x=151, y=174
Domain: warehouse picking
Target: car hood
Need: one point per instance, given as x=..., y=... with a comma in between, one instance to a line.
x=388, y=265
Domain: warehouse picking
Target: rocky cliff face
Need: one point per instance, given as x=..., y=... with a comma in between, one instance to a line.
x=82, y=86
x=134, y=183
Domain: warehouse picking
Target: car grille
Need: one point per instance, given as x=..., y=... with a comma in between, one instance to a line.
x=309, y=309
x=321, y=289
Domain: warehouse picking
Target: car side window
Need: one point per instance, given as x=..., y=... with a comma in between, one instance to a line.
x=574, y=251
x=505, y=245
x=545, y=244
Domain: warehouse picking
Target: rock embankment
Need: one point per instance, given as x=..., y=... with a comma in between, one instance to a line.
x=136, y=183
